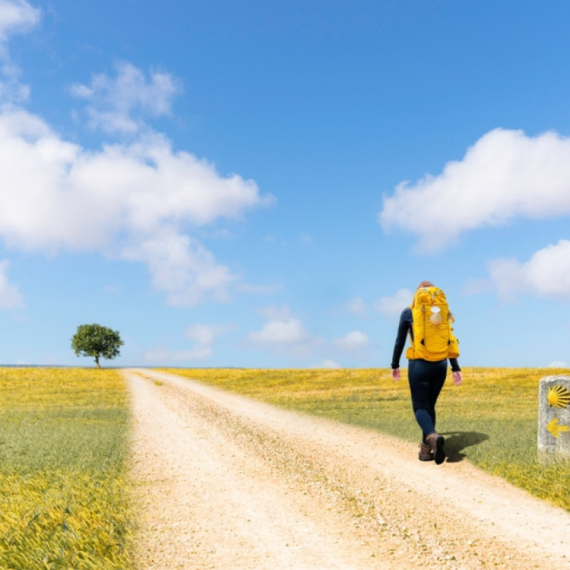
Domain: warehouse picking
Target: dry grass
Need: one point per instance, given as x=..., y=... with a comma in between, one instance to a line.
x=63, y=444
x=491, y=420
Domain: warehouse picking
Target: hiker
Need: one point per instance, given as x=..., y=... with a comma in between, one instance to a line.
x=432, y=343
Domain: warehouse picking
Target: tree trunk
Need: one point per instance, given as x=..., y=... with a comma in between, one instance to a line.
x=97, y=362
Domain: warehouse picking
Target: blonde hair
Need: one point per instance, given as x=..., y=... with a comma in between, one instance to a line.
x=425, y=284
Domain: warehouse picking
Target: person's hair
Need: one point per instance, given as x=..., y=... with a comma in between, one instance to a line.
x=425, y=284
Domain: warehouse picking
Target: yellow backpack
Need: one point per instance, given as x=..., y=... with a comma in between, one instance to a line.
x=432, y=336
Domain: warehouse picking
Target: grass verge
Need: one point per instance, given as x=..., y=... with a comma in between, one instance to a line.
x=63, y=482
x=490, y=420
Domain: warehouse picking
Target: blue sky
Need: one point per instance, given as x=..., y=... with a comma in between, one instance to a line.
x=263, y=184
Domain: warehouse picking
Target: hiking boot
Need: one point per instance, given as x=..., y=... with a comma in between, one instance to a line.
x=436, y=442
x=425, y=453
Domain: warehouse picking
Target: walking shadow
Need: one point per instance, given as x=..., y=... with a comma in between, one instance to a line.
x=457, y=441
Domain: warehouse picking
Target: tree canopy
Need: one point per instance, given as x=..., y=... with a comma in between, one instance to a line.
x=96, y=341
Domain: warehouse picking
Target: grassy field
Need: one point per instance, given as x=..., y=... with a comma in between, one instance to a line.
x=63, y=445
x=491, y=419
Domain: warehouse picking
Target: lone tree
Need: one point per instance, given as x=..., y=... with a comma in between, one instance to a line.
x=96, y=341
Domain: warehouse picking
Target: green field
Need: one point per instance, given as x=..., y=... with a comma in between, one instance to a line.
x=63, y=446
x=491, y=419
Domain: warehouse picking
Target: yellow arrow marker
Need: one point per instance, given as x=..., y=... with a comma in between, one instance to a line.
x=555, y=429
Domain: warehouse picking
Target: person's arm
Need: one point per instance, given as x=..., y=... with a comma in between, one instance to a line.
x=403, y=329
x=457, y=376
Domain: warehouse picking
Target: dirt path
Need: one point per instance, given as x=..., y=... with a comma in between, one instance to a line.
x=229, y=483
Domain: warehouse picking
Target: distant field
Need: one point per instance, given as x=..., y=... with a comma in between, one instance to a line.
x=491, y=419
x=63, y=444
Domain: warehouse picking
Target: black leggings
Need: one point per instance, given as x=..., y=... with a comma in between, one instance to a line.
x=426, y=381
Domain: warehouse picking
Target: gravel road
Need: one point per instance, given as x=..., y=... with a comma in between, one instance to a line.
x=225, y=482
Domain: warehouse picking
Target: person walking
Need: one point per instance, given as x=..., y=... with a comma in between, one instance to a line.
x=428, y=322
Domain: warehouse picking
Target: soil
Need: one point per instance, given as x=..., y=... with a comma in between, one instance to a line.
x=225, y=482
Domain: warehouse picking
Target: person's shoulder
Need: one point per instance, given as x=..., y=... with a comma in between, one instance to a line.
x=406, y=314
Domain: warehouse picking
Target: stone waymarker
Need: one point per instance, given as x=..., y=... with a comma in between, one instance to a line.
x=554, y=418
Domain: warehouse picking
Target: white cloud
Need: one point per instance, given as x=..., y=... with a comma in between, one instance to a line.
x=504, y=175
x=279, y=332
x=260, y=289
x=276, y=312
x=163, y=355
x=328, y=363
x=203, y=337
x=121, y=104
x=11, y=90
x=136, y=202
x=306, y=239
x=546, y=273
x=16, y=16
x=112, y=289
x=182, y=267
x=558, y=364
x=10, y=296
x=282, y=333
x=477, y=286
x=356, y=306
x=392, y=307
x=354, y=343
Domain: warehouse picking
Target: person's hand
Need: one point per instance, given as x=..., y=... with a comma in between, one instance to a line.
x=457, y=378
x=396, y=374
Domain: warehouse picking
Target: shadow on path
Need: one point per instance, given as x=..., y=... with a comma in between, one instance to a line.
x=457, y=441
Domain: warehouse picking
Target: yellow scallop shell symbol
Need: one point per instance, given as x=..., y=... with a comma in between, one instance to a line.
x=558, y=396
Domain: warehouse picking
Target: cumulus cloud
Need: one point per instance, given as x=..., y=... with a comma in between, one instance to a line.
x=16, y=16
x=354, y=343
x=182, y=267
x=282, y=333
x=474, y=286
x=131, y=201
x=392, y=307
x=356, y=307
x=138, y=201
x=163, y=355
x=306, y=239
x=11, y=90
x=280, y=329
x=10, y=296
x=328, y=363
x=546, y=273
x=112, y=289
x=504, y=175
x=121, y=104
x=558, y=364
x=260, y=289
x=203, y=337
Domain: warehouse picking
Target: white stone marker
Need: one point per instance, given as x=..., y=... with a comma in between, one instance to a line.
x=554, y=418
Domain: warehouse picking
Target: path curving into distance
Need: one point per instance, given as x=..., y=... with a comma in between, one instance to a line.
x=226, y=482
